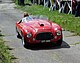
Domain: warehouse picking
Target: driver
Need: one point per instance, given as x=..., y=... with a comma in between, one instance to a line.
x=26, y=17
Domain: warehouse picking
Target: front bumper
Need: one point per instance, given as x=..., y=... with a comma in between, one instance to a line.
x=34, y=41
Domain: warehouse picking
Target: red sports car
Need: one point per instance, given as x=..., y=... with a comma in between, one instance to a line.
x=39, y=30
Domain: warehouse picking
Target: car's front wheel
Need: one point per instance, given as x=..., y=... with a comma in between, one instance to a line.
x=23, y=41
x=59, y=42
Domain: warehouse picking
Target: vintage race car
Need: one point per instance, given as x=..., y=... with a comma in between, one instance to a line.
x=39, y=30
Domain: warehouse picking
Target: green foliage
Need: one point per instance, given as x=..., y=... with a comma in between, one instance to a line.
x=16, y=2
x=66, y=21
x=5, y=56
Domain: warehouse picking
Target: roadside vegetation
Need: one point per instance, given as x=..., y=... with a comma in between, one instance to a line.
x=5, y=56
x=66, y=21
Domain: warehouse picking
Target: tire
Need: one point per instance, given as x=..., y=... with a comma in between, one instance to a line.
x=59, y=42
x=24, y=43
x=18, y=35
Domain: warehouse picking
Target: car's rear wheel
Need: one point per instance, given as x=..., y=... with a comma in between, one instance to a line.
x=59, y=42
x=18, y=35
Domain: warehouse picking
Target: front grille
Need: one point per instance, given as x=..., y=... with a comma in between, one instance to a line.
x=44, y=36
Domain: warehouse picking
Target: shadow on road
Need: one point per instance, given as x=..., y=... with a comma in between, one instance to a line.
x=48, y=46
x=65, y=45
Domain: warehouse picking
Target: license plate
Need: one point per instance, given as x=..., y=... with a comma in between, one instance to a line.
x=45, y=41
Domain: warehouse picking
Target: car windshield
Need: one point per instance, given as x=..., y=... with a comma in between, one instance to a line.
x=39, y=17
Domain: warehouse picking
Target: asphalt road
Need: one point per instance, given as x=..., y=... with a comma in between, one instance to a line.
x=69, y=52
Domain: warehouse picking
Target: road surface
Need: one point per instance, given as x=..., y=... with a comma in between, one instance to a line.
x=69, y=52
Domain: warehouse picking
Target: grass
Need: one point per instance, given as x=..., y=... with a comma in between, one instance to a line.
x=77, y=43
x=5, y=56
x=66, y=21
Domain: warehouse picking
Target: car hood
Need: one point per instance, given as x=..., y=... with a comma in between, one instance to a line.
x=38, y=25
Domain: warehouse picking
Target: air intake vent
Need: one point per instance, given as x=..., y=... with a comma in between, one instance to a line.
x=41, y=24
x=44, y=36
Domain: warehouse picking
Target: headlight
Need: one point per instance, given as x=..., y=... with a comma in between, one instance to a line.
x=58, y=32
x=29, y=35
